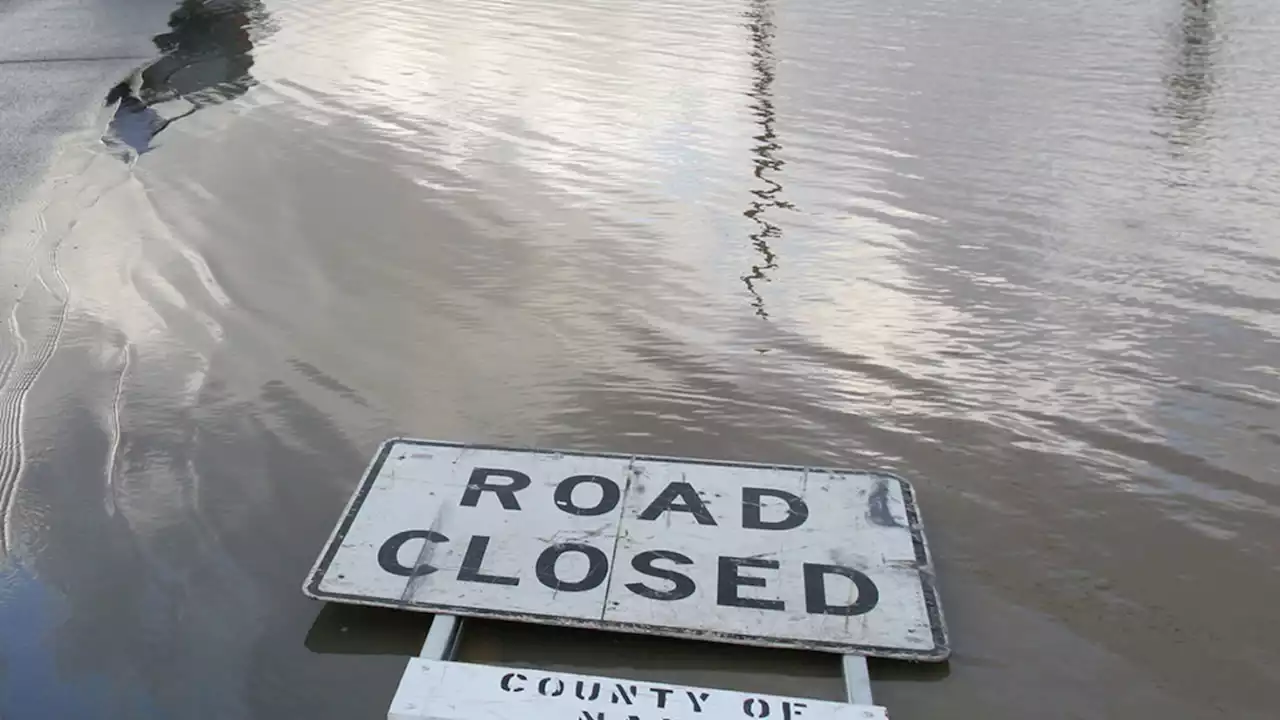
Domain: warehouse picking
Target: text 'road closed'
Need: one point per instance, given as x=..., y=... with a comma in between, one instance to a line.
x=738, y=581
x=741, y=553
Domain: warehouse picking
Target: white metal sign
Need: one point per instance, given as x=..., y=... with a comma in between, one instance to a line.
x=775, y=556
x=442, y=690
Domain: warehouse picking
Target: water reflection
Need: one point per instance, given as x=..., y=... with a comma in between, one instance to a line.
x=1190, y=84
x=196, y=543
x=135, y=123
x=207, y=53
x=205, y=59
x=763, y=64
x=31, y=682
x=511, y=222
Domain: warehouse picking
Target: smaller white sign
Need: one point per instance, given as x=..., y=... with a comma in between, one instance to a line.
x=441, y=690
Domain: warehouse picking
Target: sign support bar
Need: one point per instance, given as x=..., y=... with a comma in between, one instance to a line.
x=857, y=681
x=442, y=638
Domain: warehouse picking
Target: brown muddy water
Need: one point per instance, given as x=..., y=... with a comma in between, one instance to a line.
x=1024, y=254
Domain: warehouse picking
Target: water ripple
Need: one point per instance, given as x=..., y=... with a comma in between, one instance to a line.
x=1023, y=253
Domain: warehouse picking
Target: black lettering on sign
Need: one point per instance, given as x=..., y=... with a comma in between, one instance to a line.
x=506, y=682
x=697, y=700
x=792, y=709
x=730, y=579
x=620, y=694
x=389, y=553
x=586, y=715
x=682, y=586
x=797, y=510
x=473, y=560
x=755, y=708
x=689, y=501
x=610, y=494
x=545, y=683
x=506, y=492
x=662, y=694
x=580, y=690
x=815, y=591
x=597, y=567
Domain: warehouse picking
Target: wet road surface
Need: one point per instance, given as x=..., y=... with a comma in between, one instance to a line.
x=1025, y=256
x=56, y=58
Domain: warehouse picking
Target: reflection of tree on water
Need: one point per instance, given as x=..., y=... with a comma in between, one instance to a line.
x=207, y=53
x=1190, y=84
x=206, y=57
x=760, y=24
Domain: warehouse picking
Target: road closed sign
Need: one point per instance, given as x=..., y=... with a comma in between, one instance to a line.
x=794, y=557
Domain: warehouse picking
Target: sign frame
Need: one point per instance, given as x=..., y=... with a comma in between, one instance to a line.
x=939, y=652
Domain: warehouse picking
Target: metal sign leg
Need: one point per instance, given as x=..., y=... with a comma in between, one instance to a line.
x=441, y=644
x=442, y=638
x=857, y=681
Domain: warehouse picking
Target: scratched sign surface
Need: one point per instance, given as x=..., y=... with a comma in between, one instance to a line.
x=762, y=555
x=442, y=690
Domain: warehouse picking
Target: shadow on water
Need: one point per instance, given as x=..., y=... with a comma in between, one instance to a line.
x=760, y=24
x=1190, y=84
x=358, y=630
x=205, y=59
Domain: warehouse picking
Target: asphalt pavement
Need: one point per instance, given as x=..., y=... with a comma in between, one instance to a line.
x=58, y=60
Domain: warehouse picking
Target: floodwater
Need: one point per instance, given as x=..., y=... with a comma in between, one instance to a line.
x=1024, y=254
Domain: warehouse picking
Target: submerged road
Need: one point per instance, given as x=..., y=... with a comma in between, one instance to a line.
x=1023, y=254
